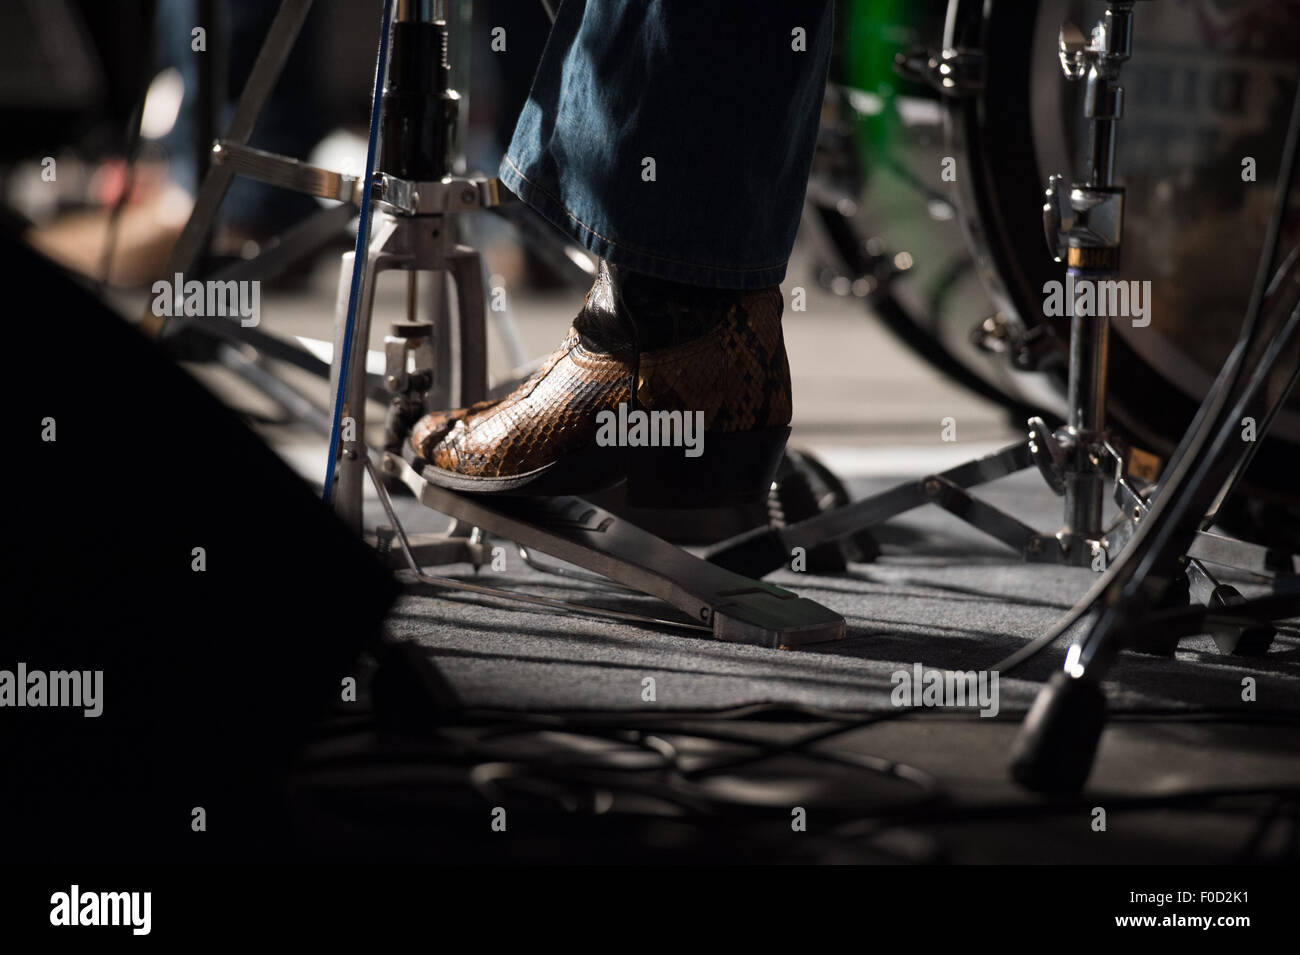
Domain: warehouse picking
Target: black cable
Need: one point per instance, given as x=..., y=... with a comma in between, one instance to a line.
x=681, y=786
x=653, y=773
x=1266, y=823
x=584, y=784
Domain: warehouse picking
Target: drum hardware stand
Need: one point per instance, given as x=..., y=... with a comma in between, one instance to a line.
x=418, y=200
x=244, y=350
x=231, y=156
x=731, y=607
x=1058, y=740
x=1084, y=227
x=416, y=232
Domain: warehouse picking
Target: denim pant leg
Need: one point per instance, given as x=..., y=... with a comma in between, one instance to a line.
x=674, y=137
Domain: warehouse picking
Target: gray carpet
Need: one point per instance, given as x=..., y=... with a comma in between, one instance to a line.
x=941, y=595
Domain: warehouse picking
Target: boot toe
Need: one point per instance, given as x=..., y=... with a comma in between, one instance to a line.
x=430, y=430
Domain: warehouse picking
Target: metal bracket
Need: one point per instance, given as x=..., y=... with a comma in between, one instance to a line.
x=287, y=173
x=459, y=545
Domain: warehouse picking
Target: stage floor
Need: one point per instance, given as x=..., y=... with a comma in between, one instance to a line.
x=940, y=595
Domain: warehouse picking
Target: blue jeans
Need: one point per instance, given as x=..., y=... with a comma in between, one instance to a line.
x=674, y=137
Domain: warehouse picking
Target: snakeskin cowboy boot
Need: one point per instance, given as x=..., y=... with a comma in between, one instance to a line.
x=682, y=392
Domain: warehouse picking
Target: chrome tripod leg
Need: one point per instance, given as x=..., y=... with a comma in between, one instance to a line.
x=349, y=469
x=761, y=551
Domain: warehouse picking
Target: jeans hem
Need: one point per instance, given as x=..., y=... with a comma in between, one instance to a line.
x=638, y=260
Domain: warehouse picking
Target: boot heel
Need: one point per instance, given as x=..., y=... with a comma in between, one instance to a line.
x=734, y=467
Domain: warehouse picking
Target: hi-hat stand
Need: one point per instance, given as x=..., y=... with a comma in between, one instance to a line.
x=411, y=187
x=1084, y=226
x=418, y=199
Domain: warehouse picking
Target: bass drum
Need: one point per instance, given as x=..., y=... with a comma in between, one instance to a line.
x=930, y=176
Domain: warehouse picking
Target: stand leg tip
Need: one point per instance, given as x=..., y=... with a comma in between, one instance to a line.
x=1057, y=742
x=1239, y=640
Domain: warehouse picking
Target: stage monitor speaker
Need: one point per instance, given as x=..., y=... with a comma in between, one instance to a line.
x=180, y=608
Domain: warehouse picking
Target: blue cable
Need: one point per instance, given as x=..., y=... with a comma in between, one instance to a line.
x=362, y=249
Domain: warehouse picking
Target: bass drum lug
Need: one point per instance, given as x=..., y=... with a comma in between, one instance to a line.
x=952, y=71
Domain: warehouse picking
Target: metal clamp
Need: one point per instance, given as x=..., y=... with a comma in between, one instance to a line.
x=1080, y=218
x=408, y=357
x=449, y=195
x=1083, y=223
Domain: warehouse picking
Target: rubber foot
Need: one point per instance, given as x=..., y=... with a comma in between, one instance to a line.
x=1159, y=644
x=1242, y=641
x=1057, y=742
